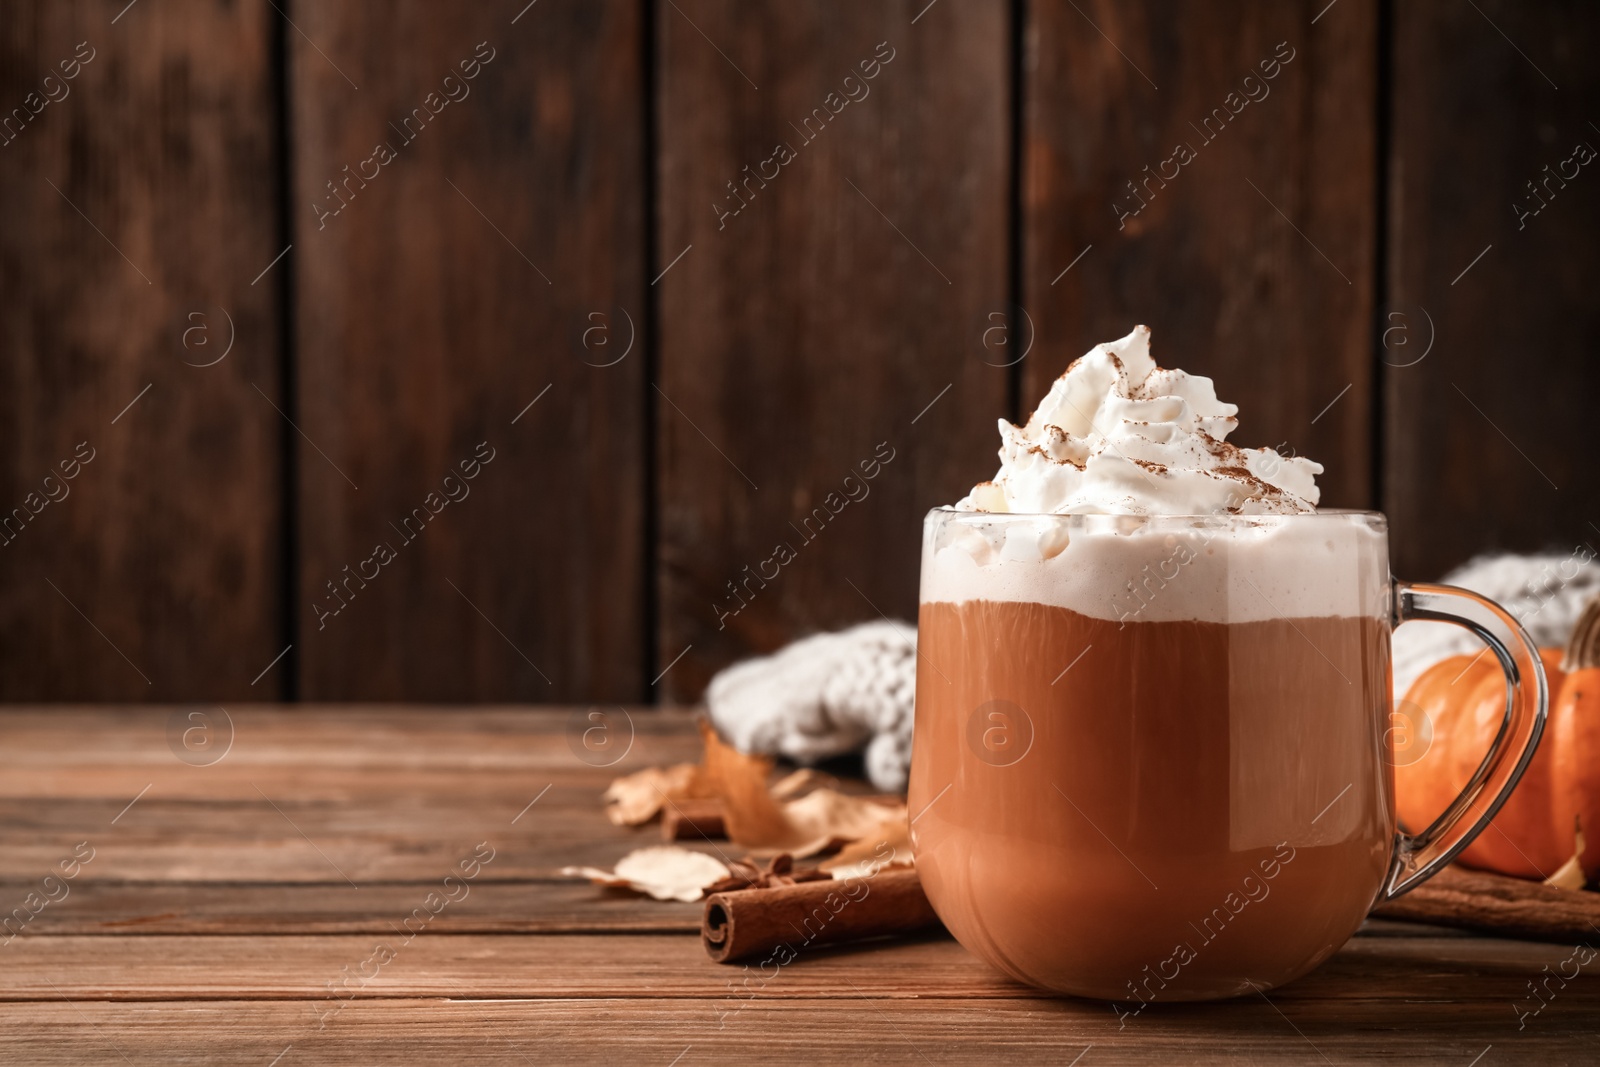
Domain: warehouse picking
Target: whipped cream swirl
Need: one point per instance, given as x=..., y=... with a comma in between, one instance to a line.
x=1119, y=435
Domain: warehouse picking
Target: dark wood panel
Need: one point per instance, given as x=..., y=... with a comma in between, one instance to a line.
x=1487, y=435
x=808, y=331
x=1248, y=246
x=140, y=547
x=445, y=282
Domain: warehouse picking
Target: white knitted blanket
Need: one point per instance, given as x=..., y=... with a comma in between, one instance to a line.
x=839, y=692
x=826, y=695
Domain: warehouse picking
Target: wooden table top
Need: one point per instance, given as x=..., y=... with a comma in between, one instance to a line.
x=264, y=909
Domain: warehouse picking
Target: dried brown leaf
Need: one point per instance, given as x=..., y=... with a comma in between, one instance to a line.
x=757, y=815
x=750, y=815
x=821, y=819
x=637, y=798
x=889, y=847
x=827, y=817
x=797, y=782
x=665, y=872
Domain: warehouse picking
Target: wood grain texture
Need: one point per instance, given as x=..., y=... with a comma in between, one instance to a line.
x=641, y=965
x=121, y=740
x=815, y=327
x=284, y=907
x=176, y=965
x=140, y=200
x=113, y=908
x=1479, y=457
x=276, y=837
x=1253, y=261
x=453, y=288
x=862, y=1027
x=319, y=795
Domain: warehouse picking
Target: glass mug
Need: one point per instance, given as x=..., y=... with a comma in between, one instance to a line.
x=1153, y=757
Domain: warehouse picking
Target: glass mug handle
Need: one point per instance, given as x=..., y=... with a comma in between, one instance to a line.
x=1418, y=857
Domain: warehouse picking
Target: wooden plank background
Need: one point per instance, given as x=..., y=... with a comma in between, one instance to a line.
x=802, y=336
x=443, y=298
x=140, y=198
x=1254, y=263
x=1477, y=453
x=729, y=253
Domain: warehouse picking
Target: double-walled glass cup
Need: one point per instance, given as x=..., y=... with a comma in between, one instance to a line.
x=1153, y=757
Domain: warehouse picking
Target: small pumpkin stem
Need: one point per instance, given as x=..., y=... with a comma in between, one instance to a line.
x=1583, y=648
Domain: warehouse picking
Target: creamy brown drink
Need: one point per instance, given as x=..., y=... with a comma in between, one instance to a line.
x=1152, y=696
x=1218, y=788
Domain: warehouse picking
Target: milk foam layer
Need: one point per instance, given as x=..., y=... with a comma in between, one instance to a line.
x=1119, y=499
x=1117, y=434
x=1162, y=569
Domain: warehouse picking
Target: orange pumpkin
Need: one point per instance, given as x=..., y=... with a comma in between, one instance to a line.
x=1463, y=699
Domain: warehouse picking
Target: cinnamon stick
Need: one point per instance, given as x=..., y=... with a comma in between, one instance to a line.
x=692, y=818
x=784, y=921
x=1494, y=903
